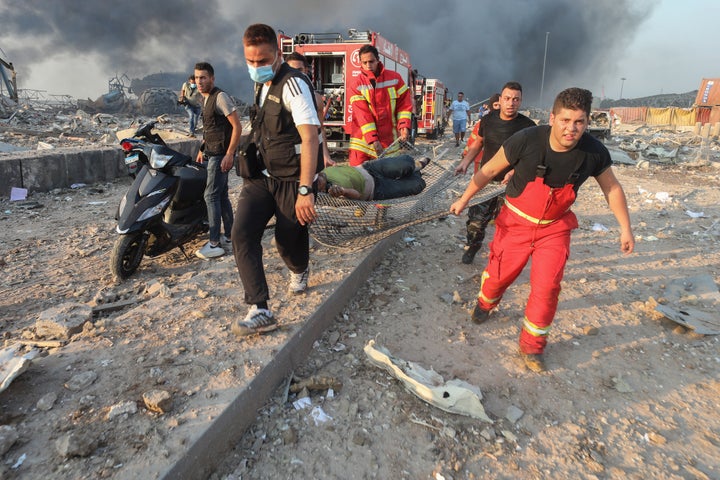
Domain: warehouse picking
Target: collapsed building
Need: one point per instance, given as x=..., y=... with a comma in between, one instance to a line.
x=123, y=98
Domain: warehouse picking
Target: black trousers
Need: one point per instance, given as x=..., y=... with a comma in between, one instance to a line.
x=259, y=200
x=479, y=216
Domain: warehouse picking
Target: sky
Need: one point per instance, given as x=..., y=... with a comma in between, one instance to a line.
x=73, y=47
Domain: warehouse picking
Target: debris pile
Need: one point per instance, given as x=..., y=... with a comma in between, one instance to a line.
x=36, y=127
x=645, y=145
x=41, y=124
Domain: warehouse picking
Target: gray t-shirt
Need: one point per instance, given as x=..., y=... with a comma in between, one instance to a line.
x=223, y=104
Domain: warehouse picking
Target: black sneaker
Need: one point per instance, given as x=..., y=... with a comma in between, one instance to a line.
x=479, y=315
x=469, y=255
x=257, y=320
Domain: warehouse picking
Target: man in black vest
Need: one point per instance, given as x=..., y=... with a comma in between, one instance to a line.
x=280, y=182
x=221, y=137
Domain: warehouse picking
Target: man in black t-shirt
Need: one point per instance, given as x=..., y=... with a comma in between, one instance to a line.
x=495, y=128
x=550, y=164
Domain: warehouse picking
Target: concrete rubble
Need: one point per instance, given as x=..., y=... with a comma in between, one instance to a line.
x=33, y=128
x=659, y=146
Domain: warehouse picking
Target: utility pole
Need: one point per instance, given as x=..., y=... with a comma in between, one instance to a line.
x=622, y=84
x=542, y=82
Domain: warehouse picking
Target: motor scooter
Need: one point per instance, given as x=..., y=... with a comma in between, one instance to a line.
x=164, y=207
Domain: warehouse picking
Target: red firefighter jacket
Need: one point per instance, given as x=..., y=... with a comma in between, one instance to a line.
x=381, y=105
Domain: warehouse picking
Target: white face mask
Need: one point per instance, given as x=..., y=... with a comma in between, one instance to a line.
x=192, y=85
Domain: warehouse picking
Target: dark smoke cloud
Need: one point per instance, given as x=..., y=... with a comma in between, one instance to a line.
x=472, y=45
x=133, y=37
x=477, y=46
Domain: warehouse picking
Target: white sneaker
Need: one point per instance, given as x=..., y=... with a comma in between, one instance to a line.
x=257, y=320
x=225, y=241
x=208, y=251
x=298, y=282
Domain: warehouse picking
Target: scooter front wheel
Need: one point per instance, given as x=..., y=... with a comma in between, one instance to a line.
x=127, y=254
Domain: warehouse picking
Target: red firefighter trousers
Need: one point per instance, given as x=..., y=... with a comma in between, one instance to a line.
x=515, y=242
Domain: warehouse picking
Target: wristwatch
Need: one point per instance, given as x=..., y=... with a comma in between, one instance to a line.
x=304, y=190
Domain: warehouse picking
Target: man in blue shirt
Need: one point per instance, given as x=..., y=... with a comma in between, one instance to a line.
x=460, y=109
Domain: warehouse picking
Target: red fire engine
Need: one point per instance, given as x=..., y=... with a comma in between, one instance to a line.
x=334, y=60
x=430, y=95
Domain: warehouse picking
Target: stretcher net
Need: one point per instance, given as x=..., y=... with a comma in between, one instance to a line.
x=356, y=224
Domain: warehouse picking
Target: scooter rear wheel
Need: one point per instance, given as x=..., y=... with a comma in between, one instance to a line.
x=127, y=254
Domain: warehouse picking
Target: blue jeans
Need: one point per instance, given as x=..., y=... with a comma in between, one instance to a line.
x=193, y=115
x=217, y=199
x=394, y=177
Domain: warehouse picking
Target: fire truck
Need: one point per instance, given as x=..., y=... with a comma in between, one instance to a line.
x=334, y=60
x=430, y=95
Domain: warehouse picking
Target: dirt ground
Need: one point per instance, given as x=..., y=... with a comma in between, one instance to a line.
x=628, y=394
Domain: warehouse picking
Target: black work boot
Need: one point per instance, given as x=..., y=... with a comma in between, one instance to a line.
x=479, y=315
x=469, y=254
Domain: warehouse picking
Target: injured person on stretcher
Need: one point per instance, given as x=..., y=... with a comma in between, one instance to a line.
x=381, y=179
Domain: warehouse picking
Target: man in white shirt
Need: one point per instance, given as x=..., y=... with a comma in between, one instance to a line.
x=279, y=180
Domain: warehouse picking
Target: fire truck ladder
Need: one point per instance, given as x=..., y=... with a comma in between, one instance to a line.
x=430, y=100
x=431, y=124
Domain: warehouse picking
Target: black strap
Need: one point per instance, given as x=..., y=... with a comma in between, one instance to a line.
x=542, y=169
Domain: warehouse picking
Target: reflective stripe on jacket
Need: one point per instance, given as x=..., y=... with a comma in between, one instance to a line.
x=378, y=111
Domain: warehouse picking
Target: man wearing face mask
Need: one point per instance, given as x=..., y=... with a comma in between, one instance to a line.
x=285, y=132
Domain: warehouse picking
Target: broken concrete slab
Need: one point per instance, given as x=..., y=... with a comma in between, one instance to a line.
x=619, y=156
x=701, y=322
x=13, y=363
x=693, y=302
x=63, y=321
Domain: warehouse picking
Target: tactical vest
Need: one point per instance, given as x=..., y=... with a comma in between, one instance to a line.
x=217, y=129
x=275, y=134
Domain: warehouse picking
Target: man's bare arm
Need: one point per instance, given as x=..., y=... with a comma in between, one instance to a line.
x=615, y=196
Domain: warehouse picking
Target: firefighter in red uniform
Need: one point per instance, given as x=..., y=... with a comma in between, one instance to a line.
x=381, y=109
x=550, y=163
